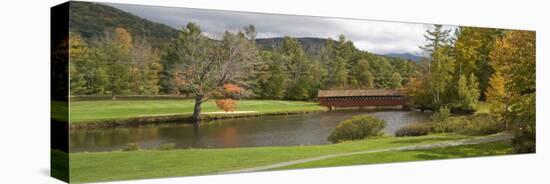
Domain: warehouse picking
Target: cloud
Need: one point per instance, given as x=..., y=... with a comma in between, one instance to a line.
x=374, y=36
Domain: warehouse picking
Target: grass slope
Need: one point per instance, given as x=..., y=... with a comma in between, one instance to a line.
x=104, y=166
x=109, y=109
x=484, y=149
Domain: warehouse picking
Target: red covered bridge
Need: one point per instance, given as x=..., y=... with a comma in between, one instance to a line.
x=362, y=98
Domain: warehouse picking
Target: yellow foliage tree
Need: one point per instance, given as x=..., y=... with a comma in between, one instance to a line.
x=514, y=57
x=496, y=94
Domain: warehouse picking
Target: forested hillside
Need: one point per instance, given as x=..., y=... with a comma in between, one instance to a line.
x=325, y=63
x=92, y=20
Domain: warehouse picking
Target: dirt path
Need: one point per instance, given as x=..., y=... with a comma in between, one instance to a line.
x=478, y=140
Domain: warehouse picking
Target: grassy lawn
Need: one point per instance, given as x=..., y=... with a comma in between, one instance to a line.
x=109, y=109
x=484, y=149
x=103, y=166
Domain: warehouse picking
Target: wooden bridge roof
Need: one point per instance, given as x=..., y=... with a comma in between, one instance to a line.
x=369, y=92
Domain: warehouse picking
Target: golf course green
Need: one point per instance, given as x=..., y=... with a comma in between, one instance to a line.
x=99, y=110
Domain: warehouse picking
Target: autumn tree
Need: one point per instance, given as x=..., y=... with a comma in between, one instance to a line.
x=417, y=93
x=79, y=53
x=514, y=58
x=114, y=49
x=228, y=97
x=471, y=50
x=496, y=96
x=207, y=65
x=145, y=69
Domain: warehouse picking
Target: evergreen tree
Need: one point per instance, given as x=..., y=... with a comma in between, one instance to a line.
x=272, y=78
x=437, y=38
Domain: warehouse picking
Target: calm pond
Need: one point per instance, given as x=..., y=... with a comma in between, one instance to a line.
x=305, y=129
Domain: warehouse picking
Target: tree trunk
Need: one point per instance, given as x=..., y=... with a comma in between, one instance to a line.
x=197, y=109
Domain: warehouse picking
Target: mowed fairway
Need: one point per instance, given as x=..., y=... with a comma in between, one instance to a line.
x=465, y=151
x=104, y=166
x=82, y=111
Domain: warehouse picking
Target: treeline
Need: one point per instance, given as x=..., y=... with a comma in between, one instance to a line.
x=113, y=64
x=117, y=63
x=459, y=67
x=492, y=65
x=287, y=72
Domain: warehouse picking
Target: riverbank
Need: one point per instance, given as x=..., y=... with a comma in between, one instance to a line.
x=113, y=113
x=108, y=166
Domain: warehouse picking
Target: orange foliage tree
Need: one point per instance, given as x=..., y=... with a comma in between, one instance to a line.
x=227, y=103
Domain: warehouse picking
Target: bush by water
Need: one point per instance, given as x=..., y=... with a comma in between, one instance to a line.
x=358, y=127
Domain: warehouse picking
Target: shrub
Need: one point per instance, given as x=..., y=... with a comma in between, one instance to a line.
x=414, y=129
x=132, y=147
x=482, y=124
x=227, y=105
x=454, y=124
x=524, y=140
x=358, y=127
x=167, y=146
x=441, y=115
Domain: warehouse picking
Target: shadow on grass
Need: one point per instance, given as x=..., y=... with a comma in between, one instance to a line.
x=487, y=149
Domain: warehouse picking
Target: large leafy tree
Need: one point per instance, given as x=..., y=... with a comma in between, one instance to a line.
x=145, y=69
x=471, y=50
x=496, y=95
x=207, y=65
x=79, y=53
x=514, y=58
x=115, y=52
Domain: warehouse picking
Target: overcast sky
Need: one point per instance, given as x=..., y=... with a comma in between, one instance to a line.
x=373, y=36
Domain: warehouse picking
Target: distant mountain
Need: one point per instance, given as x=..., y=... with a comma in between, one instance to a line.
x=312, y=46
x=407, y=56
x=92, y=19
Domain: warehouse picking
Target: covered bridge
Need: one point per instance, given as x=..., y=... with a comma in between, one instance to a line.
x=362, y=98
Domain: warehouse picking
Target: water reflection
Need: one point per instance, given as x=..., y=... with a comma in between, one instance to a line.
x=308, y=129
